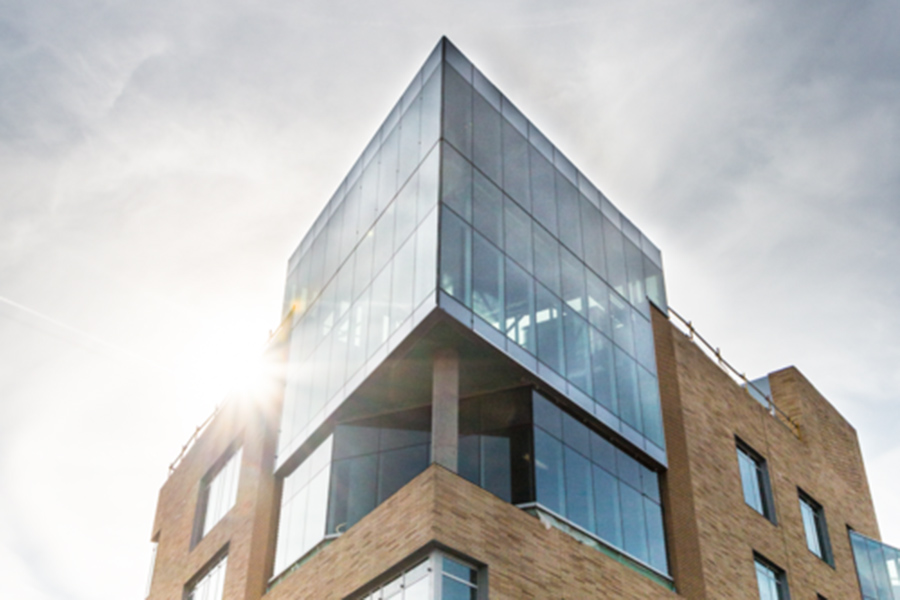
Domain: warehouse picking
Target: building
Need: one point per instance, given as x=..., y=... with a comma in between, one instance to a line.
x=485, y=396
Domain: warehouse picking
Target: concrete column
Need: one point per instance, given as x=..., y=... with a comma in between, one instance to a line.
x=445, y=409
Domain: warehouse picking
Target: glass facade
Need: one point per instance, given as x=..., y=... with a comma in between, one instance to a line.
x=460, y=203
x=531, y=250
x=367, y=264
x=576, y=474
x=878, y=568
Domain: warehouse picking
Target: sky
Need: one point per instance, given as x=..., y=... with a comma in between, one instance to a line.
x=159, y=162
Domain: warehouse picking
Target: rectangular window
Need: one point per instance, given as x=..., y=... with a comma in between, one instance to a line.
x=755, y=481
x=438, y=577
x=815, y=527
x=218, y=492
x=211, y=585
x=771, y=580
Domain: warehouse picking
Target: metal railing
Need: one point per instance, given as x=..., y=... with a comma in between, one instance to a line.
x=687, y=327
x=188, y=444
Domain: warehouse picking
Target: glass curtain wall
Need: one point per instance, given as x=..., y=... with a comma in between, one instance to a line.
x=878, y=568
x=536, y=258
x=576, y=474
x=367, y=264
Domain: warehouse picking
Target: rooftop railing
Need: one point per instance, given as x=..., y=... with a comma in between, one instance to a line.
x=715, y=353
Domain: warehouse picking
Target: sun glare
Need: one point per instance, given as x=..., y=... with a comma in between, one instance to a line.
x=215, y=365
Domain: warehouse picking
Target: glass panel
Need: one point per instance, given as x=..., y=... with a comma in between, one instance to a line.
x=487, y=281
x=576, y=435
x=458, y=112
x=426, y=260
x=651, y=415
x=387, y=169
x=459, y=570
x=634, y=525
x=546, y=260
x=402, y=285
x=431, y=112
x=543, y=191
x=598, y=303
x=767, y=582
x=399, y=467
x=384, y=239
x=496, y=475
x=548, y=319
x=515, y=166
x=615, y=258
x=486, y=137
x=455, y=590
x=644, y=349
x=653, y=283
x=808, y=514
x=456, y=181
x=380, y=311
x=750, y=481
x=547, y=415
x=578, y=358
x=548, y=461
x=656, y=535
x=409, y=142
x=573, y=293
x=517, y=237
x=487, y=209
x=606, y=507
x=569, y=214
x=519, y=294
x=634, y=267
x=456, y=259
x=602, y=372
x=627, y=390
x=405, y=212
x=579, y=490
x=622, y=325
x=594, y=252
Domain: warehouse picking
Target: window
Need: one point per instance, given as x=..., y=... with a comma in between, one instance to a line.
x=755, y=481
x=771, y=580
x=438, y=577
x=815, y=528
x=211, y=585
x=218, y=492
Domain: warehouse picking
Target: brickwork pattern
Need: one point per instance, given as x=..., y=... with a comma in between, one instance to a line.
x=704, y=410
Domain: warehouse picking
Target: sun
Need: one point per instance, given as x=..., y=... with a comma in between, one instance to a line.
x=224, y=362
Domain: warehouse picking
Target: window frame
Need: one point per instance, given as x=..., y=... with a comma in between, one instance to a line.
x=433, y=558
x=219, y=560
x=779, y=575
x=762, y=483
x=234, y=451
x=820, y=524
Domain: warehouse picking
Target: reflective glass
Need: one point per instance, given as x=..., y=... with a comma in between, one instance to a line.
x=409, y=141
x=487, y=281
x=569, y=213
x=578, y=358
x=634, y=523
x=598, y=303
x=543, y=191
x=405, y=212
x=579, y=490
x=750, y=481
x=456, y=180
x=573, y=291
x=431, y=113
x=627, y=390
x=456, y=258
x=548, y=321
x=457, y=112
x=656, y=536
x=403, y=271
x=426, y=258
x=455, y=590
x=548, y=463
x=515, y=166
x=487, y=209
x=634, y=268
x=388, y=158
x=517, y=234
x=546, y=260
x=487, y=150
x=614, y=244
x=622, y=324
x=519, y=293
x=608, y=524
x=651, y=415
x=399, y=467
x=602, y=371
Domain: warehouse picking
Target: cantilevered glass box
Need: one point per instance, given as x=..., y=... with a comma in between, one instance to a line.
x=462, y=226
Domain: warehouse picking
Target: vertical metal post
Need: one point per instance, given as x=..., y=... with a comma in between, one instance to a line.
x=445, y=409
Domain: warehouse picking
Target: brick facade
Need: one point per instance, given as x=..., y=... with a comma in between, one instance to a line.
x=712, y=534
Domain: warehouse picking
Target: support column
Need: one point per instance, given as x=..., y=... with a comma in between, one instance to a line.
x=445, y=409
